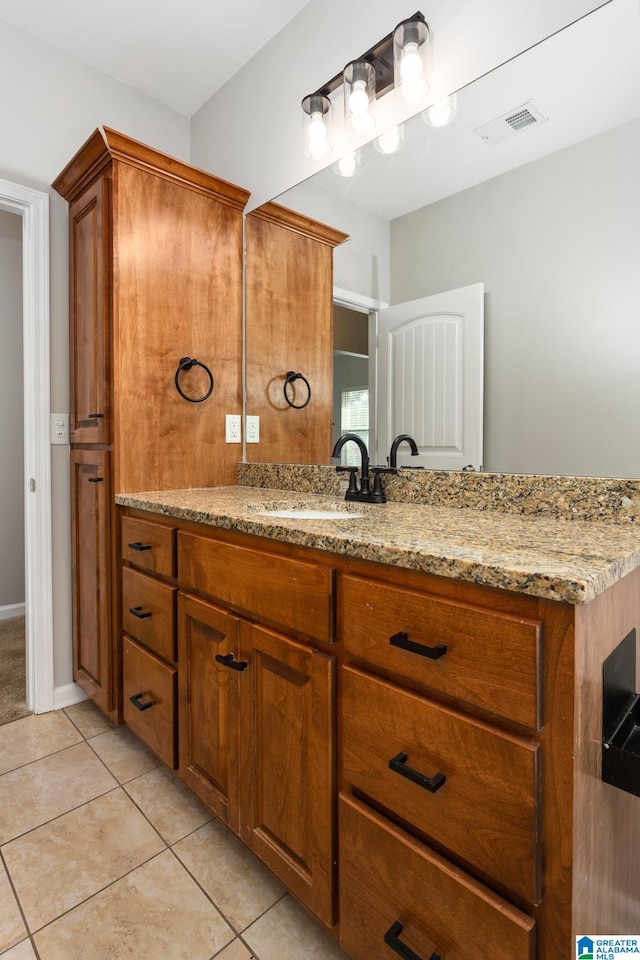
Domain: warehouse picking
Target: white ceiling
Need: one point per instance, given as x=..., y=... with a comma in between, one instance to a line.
x=584, y=80
x=177, y=53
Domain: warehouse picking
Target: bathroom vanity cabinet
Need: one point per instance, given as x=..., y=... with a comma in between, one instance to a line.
x=415, y=756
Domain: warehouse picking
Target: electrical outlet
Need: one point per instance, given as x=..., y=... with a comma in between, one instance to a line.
x=233, y=428
x=253, y=429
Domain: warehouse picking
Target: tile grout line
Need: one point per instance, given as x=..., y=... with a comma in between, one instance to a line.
x=29, y=935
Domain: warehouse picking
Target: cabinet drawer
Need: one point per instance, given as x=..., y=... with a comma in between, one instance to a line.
x=485, y=810
x=290, y=593
x=148, y=612
x=390, y=884
x=146, y=680
x=148, y=545
x=492, y=659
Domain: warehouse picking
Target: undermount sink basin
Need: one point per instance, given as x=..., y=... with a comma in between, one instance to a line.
x=301, y=510
x=295, y=514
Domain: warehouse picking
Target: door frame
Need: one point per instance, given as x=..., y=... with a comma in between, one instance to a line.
x=361, y=304
x=33, y=207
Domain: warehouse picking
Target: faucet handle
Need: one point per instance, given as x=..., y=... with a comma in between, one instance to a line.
x=353, y=487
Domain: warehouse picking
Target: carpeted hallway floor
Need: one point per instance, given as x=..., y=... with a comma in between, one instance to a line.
x=13, y=703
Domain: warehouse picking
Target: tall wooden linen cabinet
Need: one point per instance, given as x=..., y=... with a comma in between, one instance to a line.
x=155, y=277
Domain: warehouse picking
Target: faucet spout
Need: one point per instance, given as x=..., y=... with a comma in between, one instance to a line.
x=365, y=494
x=402, y=438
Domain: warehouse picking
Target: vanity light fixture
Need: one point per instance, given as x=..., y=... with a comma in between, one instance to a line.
x=317, y=126
x=397, y=61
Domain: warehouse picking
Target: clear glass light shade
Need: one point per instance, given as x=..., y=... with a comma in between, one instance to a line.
x=348, y=165
x=317, y=126
x=359, y=81
x=390, y=141
x=442, y=112
x=410, y=60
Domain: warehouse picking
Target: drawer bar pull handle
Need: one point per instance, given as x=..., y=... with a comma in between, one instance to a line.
x=230, y=661
x=95, y=479
x=139, y=546
x=95, y=416
x=135, y=700
x=401, y=640
x=392, y=939
x=399, y=765
x=139, y=613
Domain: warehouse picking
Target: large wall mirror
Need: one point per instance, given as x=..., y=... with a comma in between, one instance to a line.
x=546, y=216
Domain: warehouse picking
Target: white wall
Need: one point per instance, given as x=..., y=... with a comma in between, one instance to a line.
x=11, y=413
x=250, y=131
x=557, y=245
x=51, y=103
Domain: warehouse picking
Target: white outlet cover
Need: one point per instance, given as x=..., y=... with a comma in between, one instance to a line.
x=233, y=429
x=253, y=429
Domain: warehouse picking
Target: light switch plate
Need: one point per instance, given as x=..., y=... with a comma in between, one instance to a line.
x=59, y=428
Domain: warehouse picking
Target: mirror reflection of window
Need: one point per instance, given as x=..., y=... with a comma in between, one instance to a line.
x=354, y=418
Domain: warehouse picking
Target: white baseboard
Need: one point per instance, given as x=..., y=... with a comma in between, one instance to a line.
x=11, y=610
x=67, y=695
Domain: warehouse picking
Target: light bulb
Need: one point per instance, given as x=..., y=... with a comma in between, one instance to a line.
x=317, y=129
x=411, y=65
x=359, y=99
x=441, y=113
x=390, y=141
x=348, y=165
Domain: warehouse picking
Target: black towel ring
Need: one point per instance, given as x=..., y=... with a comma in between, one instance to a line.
x=290, y=378
x=186, y=363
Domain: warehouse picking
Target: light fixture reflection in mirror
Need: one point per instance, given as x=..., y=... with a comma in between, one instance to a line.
x=348, y=165
x=441, y=113
x=390, y=141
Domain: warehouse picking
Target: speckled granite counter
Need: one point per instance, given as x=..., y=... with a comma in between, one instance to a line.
x=537, y=554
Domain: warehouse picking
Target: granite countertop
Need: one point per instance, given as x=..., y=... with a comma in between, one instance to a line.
x=543, y=556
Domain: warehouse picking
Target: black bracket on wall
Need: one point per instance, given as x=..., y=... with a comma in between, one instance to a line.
x=621, y=718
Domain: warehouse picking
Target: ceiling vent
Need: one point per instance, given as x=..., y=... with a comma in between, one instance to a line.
x=495, y=131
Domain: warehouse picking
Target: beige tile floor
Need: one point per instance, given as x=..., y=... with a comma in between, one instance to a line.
x=105, y=855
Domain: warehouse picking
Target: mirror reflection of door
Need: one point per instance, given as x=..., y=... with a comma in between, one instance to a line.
x=430, y=379
x=350, y=379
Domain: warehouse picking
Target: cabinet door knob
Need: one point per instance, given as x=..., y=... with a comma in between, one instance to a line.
x=139, y=546
x=135, y=700
x=392, y=939
x=139, y=613
x=228, y=660
x=401, y=640
x=399, y=765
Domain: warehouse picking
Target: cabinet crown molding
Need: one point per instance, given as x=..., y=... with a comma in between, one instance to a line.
x=106, y=144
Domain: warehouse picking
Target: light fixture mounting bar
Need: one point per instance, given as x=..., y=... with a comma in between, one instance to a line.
x=381, y=58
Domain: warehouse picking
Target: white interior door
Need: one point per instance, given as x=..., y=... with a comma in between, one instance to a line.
x=430, y=379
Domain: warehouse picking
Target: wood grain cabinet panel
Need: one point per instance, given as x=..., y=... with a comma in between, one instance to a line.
x=149, y=545
x=289, y=774
x=149, y=689
x=394, y=888
x=91, y=568
x=476, y=789
x=294, y=594
x=149, y=613
x=492, y=660
x=90, y=324
x=209, y=714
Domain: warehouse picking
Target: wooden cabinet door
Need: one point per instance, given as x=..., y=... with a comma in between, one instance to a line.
x=288, y=777
x=90, y=312
x=209, y=709
x=91, y=574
